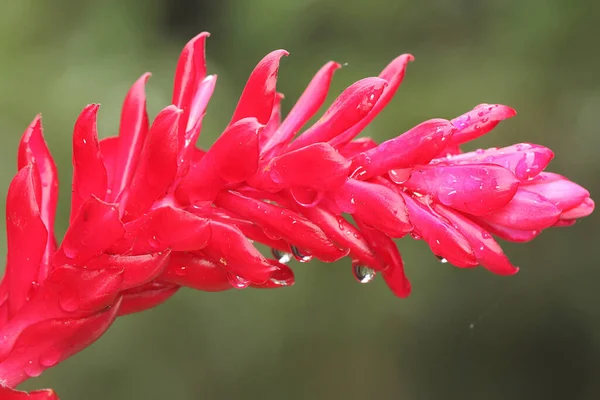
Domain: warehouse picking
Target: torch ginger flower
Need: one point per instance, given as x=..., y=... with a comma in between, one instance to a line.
x=151, y=212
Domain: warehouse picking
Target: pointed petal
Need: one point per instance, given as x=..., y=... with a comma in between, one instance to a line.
x=375, y=205
x=307, y=105
x=487, y=251
x=26, y=236
x=132, y=135
x=417, y=146
x=197, y=272
x=161, y=229
x=157, y=166
x=346, y=111
x=393, y=74
x=444, y=240
x=230, y=248
x=479, y=121
x=89, y=173
x=290, y=226
x=582, y=210
x=146, y=297
x=475, y=189
x=274, y=122
x=525, y=160
x=283, y=276
x=526, y=211
x=108, y=148
x=557, y=189
x=386, y=249
x=258, y=96
x=82, y=242
x=508, y=234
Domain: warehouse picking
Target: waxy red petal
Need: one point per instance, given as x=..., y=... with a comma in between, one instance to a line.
x=7, y=393
x=258, y=96
x=526, y=211
x=161, y=229
x=197, y=272
x=582, y=210
x=82, y=241
x=132, y=135
x=525, y=160
x=376, y=205
x=479, y=121
x=108, y=148
x=347, y=110
x=307, y=105
x=387, y=251
x=157, y=166
x=393, y=74
x=146, y=297
x=33, y=149
x=487, y=251
x=52, y=341
x=292, y=227
x=26, y=236
x=416, y=146
x=233, y=158
x=511, y=235
x=557, y=189
x=475, y=189
x=283, y=276
x=89, y=172
x=230, y=249
x=444, y=239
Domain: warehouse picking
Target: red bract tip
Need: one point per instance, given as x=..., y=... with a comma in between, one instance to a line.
x=151, y=212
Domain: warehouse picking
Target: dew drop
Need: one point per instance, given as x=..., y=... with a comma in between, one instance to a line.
x=50, y=359
x=400, y=176
x=301, y=255
x=282, y=256
x=32, y=290
x=415, y=236
x=441, y=259
x=181, y=271
x=362, y=273
x=68, y=299
x=461, y=122
x=154, y=242
x=32, y=369
x=237, y=281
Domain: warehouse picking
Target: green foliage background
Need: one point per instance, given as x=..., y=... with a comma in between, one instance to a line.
x=463, y=334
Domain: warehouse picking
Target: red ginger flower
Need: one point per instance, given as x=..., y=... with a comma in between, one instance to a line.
x=150, y=212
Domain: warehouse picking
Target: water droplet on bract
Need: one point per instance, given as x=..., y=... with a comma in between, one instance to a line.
x=181, y=271
x=50, y=359
x=362, y=273
x=441, y=259
x=154, y=242
x=301, y=255
x=415, y=236
x=32, y=369
x=479, y=151
x=68, y=299
x=400, y=176
x=32, y=290
x=237, y=281
x=282, y=256
x=461, y=122
x=486, y=235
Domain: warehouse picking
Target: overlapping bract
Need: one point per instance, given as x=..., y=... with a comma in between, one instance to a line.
x=150, y=212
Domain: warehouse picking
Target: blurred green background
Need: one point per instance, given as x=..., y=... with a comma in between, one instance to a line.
x=463, y=334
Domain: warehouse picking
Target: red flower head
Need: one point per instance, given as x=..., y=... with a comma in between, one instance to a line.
x=150, y=212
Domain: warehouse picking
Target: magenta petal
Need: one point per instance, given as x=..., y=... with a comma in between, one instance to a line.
x=346, y=235
x=479, y=121
x=307, y=105
x=387, y=251
x=157, y=166
x=258, y=96
x=557, y=189
x=146, y=297
x=52, y=341
x=526, y=211
x=230, y=248
x=26, y=236
x=290, y=226
x=525, y=160
x=137, y=270
x=444, y=240
x=508, y=234
x=487, y=251
x=417, y=146
x=346, y=111
x=132, y=134
x=376, y=205
x=475, y=189
x=393, y=74
x=89, y=172
x=582, y=210
x=82, y=241
x=197, y=272
x=318, y=166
